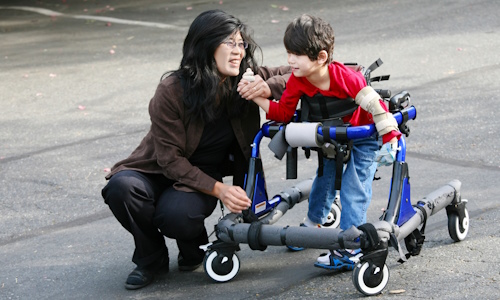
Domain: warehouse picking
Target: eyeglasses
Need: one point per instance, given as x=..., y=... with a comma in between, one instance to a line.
x=232, y=44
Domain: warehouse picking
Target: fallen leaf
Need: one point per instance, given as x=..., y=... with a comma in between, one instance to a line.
x=52, y=75
x=189, y=8
x=274, y=21
x=107, y=170
x=81, y=107
x=111, y=51
x=397, y=291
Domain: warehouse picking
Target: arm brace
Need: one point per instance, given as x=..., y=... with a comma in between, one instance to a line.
x=369, y=100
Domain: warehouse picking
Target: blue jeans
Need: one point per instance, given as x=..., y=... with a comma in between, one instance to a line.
x=356, y=190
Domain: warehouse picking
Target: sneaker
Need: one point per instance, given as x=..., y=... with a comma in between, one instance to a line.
x=342, y=259
x=306, y=223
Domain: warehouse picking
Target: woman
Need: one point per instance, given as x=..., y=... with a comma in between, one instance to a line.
x=201, y=130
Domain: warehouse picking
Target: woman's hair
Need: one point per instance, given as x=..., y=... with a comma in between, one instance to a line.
x=308, y=35
x=206, y=92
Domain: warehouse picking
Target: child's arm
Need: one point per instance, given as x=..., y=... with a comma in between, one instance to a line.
x=262, y=102
x=369, y=100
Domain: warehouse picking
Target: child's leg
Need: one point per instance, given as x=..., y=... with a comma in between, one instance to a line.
x=355, y=196
x=356, y=191
x=322, y=193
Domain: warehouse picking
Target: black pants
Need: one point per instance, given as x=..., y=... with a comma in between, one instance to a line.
x=149, y=207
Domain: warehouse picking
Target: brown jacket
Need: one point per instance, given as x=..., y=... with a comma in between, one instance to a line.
x=174, y=136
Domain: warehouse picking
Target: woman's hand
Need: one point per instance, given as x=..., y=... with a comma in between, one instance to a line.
x=233, y=197
x=252, y=89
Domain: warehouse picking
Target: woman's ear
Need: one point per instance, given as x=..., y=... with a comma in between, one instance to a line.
x=322, y=57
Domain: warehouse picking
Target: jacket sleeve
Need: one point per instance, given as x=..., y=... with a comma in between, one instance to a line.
x=276, y=78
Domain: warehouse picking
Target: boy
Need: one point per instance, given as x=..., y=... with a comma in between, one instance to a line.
x=309, y=42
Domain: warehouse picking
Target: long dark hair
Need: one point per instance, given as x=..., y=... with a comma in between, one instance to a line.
x=206, y=93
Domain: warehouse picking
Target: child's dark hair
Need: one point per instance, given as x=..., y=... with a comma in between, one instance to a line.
x=308, y=35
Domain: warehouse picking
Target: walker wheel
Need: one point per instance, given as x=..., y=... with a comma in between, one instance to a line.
x=457, y=232
x=220, y=267
x=369, y=279
x=333, y=218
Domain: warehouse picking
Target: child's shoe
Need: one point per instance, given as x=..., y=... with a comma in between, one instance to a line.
x=342, y=259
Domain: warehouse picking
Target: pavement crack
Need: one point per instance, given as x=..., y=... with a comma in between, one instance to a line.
x=105, y=213
x=451, y=161
x=62, y=146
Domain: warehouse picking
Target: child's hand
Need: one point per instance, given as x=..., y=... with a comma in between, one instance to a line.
x=387, y=154
x=253, y=86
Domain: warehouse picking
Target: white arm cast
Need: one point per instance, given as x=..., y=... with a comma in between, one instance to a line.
x=369, y=100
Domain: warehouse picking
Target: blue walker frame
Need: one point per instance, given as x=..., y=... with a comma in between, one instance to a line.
x=398, y=226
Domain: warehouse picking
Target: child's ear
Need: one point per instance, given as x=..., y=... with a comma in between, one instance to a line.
x=322, y=57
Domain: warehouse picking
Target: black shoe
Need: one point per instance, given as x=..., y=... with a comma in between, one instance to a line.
x=141, y=277
x=188, y=265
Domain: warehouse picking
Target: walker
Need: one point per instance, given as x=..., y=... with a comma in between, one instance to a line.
x=402, y=224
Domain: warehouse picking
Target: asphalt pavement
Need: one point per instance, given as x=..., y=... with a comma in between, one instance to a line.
x=75, y=81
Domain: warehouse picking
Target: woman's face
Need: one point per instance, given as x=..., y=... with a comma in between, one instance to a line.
x=229, y=54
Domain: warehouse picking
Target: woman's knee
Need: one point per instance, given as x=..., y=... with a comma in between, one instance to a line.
x=181, y=215
x=127, y=187
x=179, y=224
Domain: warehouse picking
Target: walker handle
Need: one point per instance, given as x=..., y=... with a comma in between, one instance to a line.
x=359, y=132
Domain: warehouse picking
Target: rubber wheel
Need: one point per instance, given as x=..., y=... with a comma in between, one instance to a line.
x=456, y=233
x=367, y=282
x=333, y=218
x=220, y=267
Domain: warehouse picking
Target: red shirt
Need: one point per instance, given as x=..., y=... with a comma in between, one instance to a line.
x=344, y=83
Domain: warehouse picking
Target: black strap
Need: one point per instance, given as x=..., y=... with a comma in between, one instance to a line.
x=413, y=243
x=372, y=239
x=403, y=127
x=375, y=65
x=249, y=216
x=424, y=214
x=320, y=163
x=320, y=108
x=253, y=236
x=283, y=235
x=326, y=134
x=339, y=166
x=341, y=134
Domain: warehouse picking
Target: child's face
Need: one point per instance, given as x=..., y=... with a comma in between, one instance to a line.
x=228, y=57
x=302, y=65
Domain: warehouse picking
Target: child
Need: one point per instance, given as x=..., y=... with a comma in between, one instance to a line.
x=309, y=42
